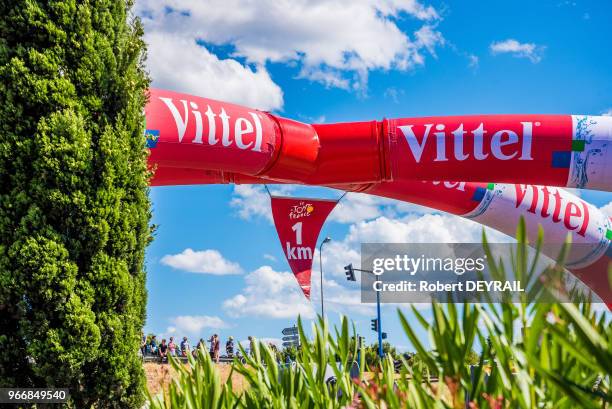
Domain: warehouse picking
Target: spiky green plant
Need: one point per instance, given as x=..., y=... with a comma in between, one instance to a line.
x=561, y=359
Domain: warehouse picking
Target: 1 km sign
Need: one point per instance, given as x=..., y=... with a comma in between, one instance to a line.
x=298, y=222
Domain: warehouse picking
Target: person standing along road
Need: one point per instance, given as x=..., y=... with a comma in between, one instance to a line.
x=163, y=351
x=214, y=348
x=201, y=344
x=172, y=347
x=143, y=344
x=251, y=346
x=153, y=345
x=229, y=347
x=184, y=347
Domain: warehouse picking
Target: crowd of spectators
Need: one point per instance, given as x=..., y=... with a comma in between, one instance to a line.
x=150, y=346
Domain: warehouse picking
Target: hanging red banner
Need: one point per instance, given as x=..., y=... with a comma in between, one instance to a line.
x=298, y=222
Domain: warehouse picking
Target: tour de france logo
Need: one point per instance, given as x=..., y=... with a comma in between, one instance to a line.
x=300, y=210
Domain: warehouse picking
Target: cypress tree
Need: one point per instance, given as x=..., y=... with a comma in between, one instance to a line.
x=74, y=207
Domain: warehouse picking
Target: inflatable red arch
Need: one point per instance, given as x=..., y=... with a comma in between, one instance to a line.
x=196, y=140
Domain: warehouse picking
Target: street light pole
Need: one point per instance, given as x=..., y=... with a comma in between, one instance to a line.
x=326, y=240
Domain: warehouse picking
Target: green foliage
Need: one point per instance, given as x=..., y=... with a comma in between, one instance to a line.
x=563, y=360
x=270, y=384
x=371, y=353
x=74, y=208
x=197, y=385
x=289, y=353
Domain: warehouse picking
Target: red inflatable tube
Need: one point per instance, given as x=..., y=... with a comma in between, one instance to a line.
x=556, y=150
x=200, y=141
x=190, y=132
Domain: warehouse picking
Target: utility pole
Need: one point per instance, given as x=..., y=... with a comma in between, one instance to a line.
x=376, y=323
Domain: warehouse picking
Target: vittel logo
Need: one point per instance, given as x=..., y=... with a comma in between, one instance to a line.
x=549, y=202
x=233, y=130
x=504, y=144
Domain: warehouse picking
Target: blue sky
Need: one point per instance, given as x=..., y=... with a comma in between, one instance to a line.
x=338, y=61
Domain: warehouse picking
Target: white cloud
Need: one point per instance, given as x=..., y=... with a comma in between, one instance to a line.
x=340, y=296
x=178, y=63
x=607, y=113
x=328, y=77
x=271, y=294
x=269, y=257
x=607, y=209
x=531, y=51
x=359, y=206
x=427, y=37
x=192, y=326
x=335, y=42
x=336, y=255
x=428, y=228
x=195, y=323
x=411, y=7
x=252, y=201
x=203, y=261
x=393, y=94
x=320, y=119
x=274, y=294
x=473, y=61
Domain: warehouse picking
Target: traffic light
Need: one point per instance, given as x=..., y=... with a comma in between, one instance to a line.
x=375, y=325
x=361, y=342
x=350, y=272
x=384, y=335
